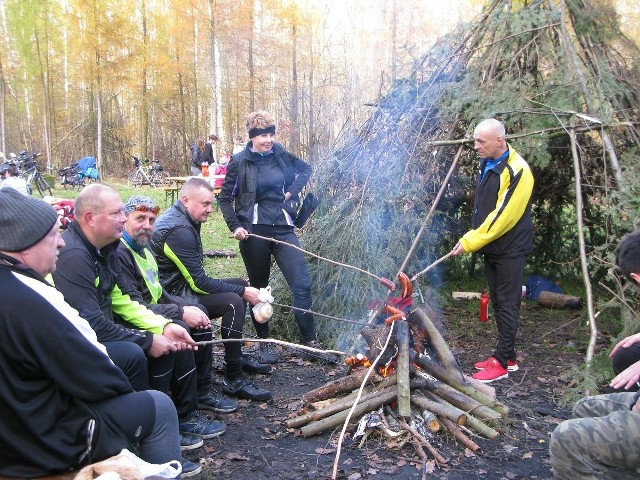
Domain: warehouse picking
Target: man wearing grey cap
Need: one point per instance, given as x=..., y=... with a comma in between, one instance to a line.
x=63, y=403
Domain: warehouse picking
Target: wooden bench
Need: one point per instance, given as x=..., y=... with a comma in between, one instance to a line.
x=170, y=192
x=216, y=195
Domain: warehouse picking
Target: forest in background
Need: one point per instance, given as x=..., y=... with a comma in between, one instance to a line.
x=112, y=79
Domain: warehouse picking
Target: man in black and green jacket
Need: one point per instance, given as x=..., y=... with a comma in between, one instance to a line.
x=141, y=272
x=177, y=246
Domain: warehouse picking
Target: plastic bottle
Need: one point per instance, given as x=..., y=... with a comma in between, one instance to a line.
x=484, y=307
x=205, y=169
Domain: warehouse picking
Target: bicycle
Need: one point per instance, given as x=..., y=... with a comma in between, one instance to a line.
x=31, y=174
x=153, y=174
x=70, y=177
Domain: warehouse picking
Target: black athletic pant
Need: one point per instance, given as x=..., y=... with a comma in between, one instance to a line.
x=203, y=356
x=504, y=276
x=146, y=419
x=131, y=359
x=257, y=254
x=175, y=373
x=231, y=307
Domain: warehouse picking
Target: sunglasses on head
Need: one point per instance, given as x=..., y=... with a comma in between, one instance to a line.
x=144, y=208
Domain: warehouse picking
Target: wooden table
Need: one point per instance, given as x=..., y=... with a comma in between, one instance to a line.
x=177, y=182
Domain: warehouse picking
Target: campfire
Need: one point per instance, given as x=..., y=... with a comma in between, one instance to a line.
x=406, y=383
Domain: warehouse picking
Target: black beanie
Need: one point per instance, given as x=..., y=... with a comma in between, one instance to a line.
x=24, y=220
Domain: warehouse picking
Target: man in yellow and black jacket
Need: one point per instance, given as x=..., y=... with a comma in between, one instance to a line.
x=503, y=231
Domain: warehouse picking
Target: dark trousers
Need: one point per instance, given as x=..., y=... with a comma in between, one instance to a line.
x=131, y=359
x=203, y=356
x=175, y=373
x=146, y=419
x=504, y=276
x=257, y=254
x=231, y=307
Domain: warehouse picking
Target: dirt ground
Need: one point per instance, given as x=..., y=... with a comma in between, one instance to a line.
x=257, y=444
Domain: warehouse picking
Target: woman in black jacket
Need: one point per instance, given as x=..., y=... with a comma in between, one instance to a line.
x=197, y=156
x=263, y=182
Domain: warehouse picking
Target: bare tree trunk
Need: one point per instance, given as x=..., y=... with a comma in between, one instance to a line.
x=3, y=130
x=144, y=120
x=252, y=73
x=294, y=139
x=196, y=67
x=99, y=133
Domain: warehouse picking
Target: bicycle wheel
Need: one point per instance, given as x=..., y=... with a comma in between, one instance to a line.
x=135, y=179
x=161, y=179
x=42, y=185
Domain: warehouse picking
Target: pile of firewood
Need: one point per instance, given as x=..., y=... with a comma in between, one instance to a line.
x=418, y=375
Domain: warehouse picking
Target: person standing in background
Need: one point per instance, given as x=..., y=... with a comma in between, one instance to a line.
x=503, y=231
x=209, y=153
x=197, y=156
x=238, y=143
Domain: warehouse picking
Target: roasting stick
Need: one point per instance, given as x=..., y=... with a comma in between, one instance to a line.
x=355, y=403
x=269, y=340
x=440, y=260
x=319, y=314
x=346, y=265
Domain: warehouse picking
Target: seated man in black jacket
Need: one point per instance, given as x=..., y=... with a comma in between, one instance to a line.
x=90, y=278
x=177, y=245
x=63, y=403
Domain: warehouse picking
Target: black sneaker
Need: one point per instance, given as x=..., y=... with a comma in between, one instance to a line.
x=267, y=353
x=189, y=469
x=216, y=402
x=251, y=366
x=244, y=388
x=317, y=356
x=190, y=442
x=197, y=424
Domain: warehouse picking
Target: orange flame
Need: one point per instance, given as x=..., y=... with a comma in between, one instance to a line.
x=386, y=371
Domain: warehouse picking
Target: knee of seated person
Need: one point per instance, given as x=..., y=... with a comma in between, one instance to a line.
x=163, y=403
x=622, y=359
x=562, y=440
x=237, y=303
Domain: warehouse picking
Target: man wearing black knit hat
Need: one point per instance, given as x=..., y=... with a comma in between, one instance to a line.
x=53, y=421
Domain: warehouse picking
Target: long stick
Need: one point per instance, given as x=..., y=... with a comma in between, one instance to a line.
x=402, y=369
x=345, y=265
x=440, y=260
x=593, y=327
x=355, y=404
x=319, y=314
x=270, y=340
